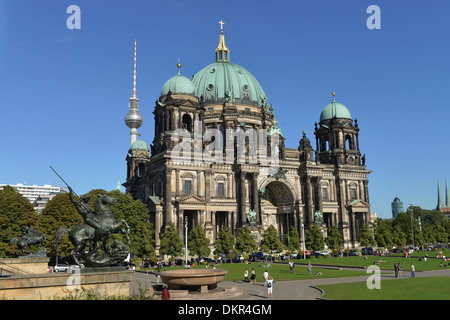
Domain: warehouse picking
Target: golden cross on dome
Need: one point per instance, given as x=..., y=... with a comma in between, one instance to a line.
x=221, y=24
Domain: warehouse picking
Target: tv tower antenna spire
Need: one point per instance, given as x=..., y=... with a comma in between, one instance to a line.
x=134, y=118
x=134, y=74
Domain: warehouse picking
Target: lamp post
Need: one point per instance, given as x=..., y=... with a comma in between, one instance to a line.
x=186, y=238
x=303, y=238
x=412, y=219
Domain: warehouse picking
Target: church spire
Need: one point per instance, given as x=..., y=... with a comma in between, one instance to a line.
x=222, y=52
x=447, y=194
x=440, y=203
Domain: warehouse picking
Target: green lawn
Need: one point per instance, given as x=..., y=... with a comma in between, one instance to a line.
x=384, y=262
x=278, y=271
x=429, y=288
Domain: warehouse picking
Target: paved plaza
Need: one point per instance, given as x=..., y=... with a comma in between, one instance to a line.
x=284, y=290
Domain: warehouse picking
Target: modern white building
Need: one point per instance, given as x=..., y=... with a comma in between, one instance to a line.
x=37, y=195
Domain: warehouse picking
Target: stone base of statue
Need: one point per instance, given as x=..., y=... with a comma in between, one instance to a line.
x=28, y=279
x=193, y=284
x=24, y=265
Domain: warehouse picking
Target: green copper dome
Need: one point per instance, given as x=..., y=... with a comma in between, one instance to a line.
x=335, y=110
x=139, y=145
x=178, y=84
x=222, y=77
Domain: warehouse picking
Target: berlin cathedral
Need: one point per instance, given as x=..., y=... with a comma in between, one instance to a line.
x=327, y=186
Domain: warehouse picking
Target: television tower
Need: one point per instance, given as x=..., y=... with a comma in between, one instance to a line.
x=134, y=118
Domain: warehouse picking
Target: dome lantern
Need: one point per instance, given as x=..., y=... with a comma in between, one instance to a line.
x=222, y=52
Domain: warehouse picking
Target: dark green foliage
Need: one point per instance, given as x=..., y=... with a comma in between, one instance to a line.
x=171, y=243
x=224, y=242
x=245, y=241
x=271, y=240
x=16, y=212
x=198, y=242
x=314, y=239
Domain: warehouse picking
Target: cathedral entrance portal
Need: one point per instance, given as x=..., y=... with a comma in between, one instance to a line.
x=278, y=206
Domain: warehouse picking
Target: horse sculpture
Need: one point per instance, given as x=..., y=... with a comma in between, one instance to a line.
x=30, y=236
x=82, y=234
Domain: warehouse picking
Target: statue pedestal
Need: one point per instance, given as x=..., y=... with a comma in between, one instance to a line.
x=59, y=285
x=31, y=281
x=25, y=265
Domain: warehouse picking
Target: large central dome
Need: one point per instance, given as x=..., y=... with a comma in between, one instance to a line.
x=223, y=79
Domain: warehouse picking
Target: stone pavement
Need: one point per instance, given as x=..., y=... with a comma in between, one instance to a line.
x=285, y=290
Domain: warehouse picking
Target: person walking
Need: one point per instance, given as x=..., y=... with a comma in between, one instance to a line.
x=309, y=268
x=253, y=276
x=400, y=269
x=246, y=275
x=269, y=284
x=413, y=271
x=291, y=266
x=396, y=269
x=265, y=274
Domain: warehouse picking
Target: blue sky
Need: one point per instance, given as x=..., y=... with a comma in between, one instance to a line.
x=64, y=93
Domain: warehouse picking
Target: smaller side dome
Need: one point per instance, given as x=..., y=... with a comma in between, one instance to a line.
x=178, y=84
x=335, y=110
x=139, y=145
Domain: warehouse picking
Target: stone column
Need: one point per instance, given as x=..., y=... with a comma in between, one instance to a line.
x=208, y=186
x=177, y=184
x=243, y=216
x=255, y=196
x=158, y=220
x=310, y=208
x=320, y=195
x=181, y=223
x=168, y=197
x=213, y=223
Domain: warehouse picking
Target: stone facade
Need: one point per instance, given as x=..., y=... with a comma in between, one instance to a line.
x=213, y=187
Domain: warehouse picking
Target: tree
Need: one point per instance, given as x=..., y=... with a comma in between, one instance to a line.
x=314, y=238
x=59, y=212
x=334, y=238
x=225, y=241
x=245, y=242
x=382, y=232
x=136, y=214
x=171, y=243
x=398, y=236
x=16, y=212
x=271, y=241
x=366, y=237
x=294, y=240
x=198, y=243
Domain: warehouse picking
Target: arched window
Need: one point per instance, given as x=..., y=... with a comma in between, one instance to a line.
x=186, y=122
x=349, y=142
